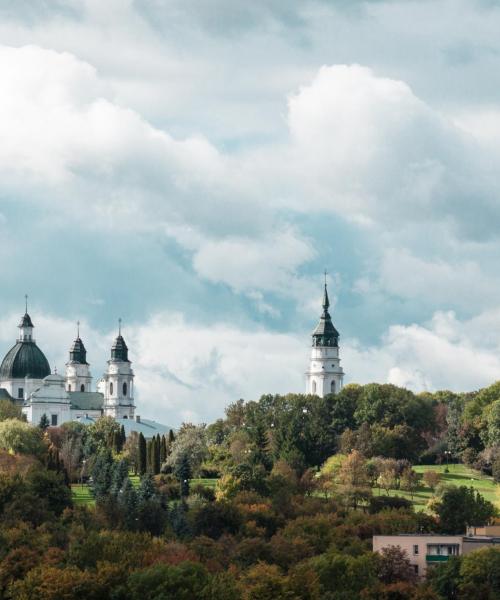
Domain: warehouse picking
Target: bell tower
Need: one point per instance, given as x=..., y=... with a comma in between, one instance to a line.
x=325, y=375
x=118, y=381
x=78, y=377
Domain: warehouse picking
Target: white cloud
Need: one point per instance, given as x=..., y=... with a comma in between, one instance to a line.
x=444, y=354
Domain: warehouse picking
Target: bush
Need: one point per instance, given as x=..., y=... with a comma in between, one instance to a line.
x=378, y=503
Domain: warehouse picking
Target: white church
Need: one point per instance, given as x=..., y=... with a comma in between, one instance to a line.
x=27, y=380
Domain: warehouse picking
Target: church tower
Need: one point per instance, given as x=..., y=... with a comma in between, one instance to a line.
x=78, y=377
x=118, y=381
x=325, y=375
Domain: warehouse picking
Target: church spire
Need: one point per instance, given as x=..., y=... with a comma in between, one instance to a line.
x=325, y=333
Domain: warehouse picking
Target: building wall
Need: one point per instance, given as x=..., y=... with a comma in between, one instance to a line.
x=325, y=375
x=415, y=546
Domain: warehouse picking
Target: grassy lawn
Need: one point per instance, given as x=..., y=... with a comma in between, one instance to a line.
x=458, y=475
x=81, y=495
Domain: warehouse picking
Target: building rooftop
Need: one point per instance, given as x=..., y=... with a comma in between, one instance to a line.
x=147, y=427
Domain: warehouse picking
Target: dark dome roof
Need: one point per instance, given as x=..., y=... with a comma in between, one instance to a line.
x=119, y=350
x=25, y=358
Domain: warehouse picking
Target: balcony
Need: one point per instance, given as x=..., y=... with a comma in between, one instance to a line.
x=432, y=558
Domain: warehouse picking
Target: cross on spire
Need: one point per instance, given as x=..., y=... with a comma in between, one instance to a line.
x=120, y=326
x=26, y=303
x=325, y=273
x=78, y=329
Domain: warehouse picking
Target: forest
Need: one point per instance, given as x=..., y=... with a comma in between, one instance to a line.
x=277, y=500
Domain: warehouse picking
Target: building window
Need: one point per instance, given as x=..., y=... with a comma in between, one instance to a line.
x=415, y=549
x=111, y=389
x=415, y=567
x=314, y=387
x=20, y=393
x=82, y=388
x=69, y=387
x=124, y=388
x=53, y=420
x=332, y=387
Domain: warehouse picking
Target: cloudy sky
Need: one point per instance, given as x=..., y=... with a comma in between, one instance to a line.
x=193, y=166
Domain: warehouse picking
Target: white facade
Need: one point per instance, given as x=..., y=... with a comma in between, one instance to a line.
x=51, y=399
x=78, y=377
x=117, y=386
x=20, y=389
x=325, y=375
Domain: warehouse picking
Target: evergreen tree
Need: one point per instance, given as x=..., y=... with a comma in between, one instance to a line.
x=142, y=458
x=116, y=441
x=123, y=437
x=119, y=474
x=171, y=438
x=44, y=422
x=178, y=519
x=147, y=488
x=150, y=456
x=127, y=501
x=102, y=473
x=156, y=455
x=163, y=449
x=182, y=471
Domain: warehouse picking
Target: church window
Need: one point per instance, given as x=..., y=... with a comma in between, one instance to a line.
x=111, y=388
x=20, y=393
x=53, y=420
x=332, y=387
x=82, y=388
x=69, y=387
x=314, y=387
x=124, y=388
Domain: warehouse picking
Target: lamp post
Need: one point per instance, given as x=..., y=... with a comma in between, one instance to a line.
x=447, y=453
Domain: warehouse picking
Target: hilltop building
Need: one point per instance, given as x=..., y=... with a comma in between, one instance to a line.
x=325, y=375
x=26, y=379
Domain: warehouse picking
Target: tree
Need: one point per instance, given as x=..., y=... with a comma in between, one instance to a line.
x=9, y=410
x=128, y=502
x=182, y=470
x=147, y=488
x=21, y=437
x=431, y=479
x=142, y=458
x=163, y=450
x=190, y=440
x=409, y=481
x=480, y=574
x=118, y=476
x=156, y=454
x=462, y=506
x=394, y=566
x=102, y=474
x=44, y=422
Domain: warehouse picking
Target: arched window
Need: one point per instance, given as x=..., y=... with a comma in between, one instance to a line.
x=69, y=387
x=82, y=388
x=332, y=387
x=314, y=387
x=111, y=388
x=124, y=388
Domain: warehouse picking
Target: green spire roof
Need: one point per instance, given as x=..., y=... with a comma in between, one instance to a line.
x=325, y=333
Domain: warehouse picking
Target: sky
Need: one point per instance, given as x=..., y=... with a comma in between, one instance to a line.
x=193, y=167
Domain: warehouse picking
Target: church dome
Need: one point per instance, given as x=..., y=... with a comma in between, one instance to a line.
x=24, y=359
